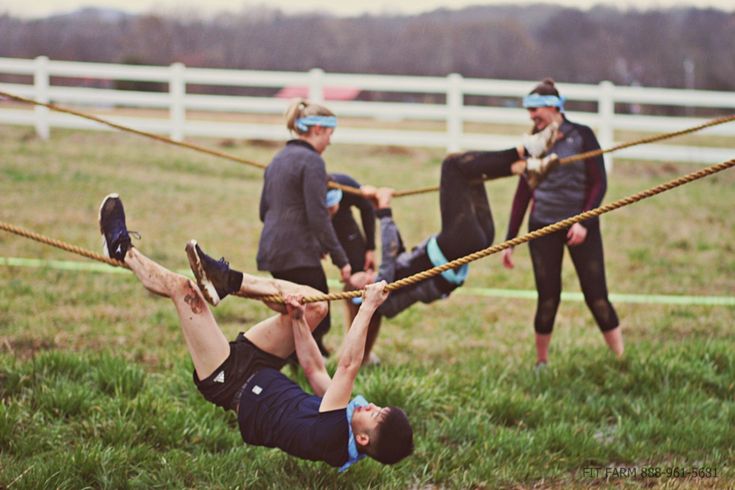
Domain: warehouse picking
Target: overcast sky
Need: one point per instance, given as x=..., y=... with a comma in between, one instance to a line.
x=35, y=8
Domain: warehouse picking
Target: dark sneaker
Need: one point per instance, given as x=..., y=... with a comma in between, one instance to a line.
x=116, y=239
x=212, y=275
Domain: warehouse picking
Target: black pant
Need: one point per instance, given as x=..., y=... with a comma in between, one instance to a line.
x=547, y=253
x=467, y=221
x=353, y=243
x=314, y=277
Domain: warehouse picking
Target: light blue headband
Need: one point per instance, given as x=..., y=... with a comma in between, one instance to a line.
x=538, y=100
x=303, y=123
x=334, y=196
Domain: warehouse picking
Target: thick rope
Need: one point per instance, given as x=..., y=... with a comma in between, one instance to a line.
x=334, y=185
x=406, y=281
x=128, y=129
x=163, y=139
x=62, y=245
x=650, y=139
x=594, y=153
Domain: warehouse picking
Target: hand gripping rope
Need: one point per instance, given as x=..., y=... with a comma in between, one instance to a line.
x=685, y=179
x=334, y=185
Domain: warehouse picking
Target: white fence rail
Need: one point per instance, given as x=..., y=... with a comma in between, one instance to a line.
x=452, y=112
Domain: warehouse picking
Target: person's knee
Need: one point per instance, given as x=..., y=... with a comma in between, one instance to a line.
x=179, y=286
x=453, y=161
x=545, y=315
x=603, y=312
x=182, y=288
x=452, y=158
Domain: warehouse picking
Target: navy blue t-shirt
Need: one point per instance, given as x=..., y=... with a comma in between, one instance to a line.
x=276, y=412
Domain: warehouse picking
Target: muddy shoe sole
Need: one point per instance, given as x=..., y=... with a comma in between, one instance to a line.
x=205, y=285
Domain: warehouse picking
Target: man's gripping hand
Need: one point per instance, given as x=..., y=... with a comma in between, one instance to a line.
x=376, y=294
x=294, y=306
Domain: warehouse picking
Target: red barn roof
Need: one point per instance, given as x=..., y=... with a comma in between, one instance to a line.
x=330, y=93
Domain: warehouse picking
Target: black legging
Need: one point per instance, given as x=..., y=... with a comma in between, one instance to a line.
x=547, y=253
x=467, y=221
x=314, y=277
x=353, y=243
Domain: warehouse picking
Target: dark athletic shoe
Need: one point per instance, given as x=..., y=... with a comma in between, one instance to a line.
x=116, y=239
x=211, y=275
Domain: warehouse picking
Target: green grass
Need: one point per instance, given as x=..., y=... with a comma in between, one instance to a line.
x=95, y=381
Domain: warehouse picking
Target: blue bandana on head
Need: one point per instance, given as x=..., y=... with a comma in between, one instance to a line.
x=334, y=196
x=353, y=456
x=538, y=100
x=303, y=123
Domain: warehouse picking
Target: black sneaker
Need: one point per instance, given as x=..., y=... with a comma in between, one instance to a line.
x=212, y=275
x=115, y=236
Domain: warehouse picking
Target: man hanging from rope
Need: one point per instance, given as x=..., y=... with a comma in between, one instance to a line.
x=244, y=375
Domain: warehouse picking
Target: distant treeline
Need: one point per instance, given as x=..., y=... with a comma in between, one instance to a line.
x=667, y=48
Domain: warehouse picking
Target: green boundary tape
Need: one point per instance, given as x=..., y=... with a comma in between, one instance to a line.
x=67, y=265
x=464, y=291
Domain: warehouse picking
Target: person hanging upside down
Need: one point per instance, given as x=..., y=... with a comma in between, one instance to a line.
x=244, y=375
x=466, y=226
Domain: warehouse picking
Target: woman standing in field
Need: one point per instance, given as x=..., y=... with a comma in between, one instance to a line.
x=296, y=225
x=565, y=191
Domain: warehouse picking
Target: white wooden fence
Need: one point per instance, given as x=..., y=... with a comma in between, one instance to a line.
x=453, y=113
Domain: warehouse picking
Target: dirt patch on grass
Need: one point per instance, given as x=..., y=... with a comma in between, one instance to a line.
x=397, y=150
x=25, y=347
x=260, y=143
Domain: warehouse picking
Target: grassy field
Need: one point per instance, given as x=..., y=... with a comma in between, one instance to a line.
x=95, y=381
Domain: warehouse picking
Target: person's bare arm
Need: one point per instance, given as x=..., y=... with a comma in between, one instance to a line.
x=310, y=358
x=340, y=389
x=255, y=286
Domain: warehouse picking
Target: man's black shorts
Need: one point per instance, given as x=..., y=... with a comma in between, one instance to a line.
x=245, y=359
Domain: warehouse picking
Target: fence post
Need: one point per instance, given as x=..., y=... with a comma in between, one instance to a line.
x=41, y=84
x=177, y=110
x=455, y=101
x=316, y=85
x=606, y=111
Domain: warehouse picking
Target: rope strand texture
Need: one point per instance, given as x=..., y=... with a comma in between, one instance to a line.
x=334, y=185
x=61, y=245
x=406, y=281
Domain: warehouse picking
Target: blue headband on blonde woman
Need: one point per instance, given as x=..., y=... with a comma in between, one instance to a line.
x=303, y=123
x=538, y=100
